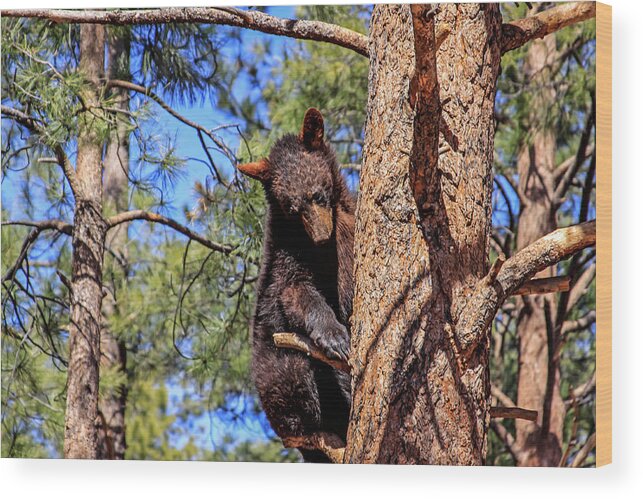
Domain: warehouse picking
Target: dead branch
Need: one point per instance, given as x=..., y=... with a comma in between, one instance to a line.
x=495, y=268
x=543, y=286
x=513, y=413
x=31, y=238
x=37, y=126
x=506, y=437
x=569, y=175
x=517, y=33
x=582, y=454
x=305, y=345
x=579, y=288
x=579, y=324
x=250, y=19
x=580, y=392
x=566, y=164
x=329, y=443
x=502, y=397
x=558, y=245
x=129, y=216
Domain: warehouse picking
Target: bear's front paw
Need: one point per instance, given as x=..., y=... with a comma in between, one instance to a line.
x=333, y=339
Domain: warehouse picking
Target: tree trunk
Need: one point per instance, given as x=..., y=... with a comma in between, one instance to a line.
x=112, y=404
x=538, y=443
x=420, y=251
x=87, y=262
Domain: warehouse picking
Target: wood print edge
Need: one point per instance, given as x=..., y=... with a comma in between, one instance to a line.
x=604, y=232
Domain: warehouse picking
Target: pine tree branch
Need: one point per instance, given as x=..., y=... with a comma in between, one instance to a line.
x=579, y=324
x=250, y=19
x=566, y=180
x=544, y=285
x=506, y=438
x=305, y=345
x=129, y=216
x=502, y=397
x=328, y=443
x=38, y=228
x=37, y=126
x=568, y=163
x=582, y=454
x=513, y=413
x=580, y=392
x=481, y=308
x=517, y=33
x=127, y=85
x=579, y=287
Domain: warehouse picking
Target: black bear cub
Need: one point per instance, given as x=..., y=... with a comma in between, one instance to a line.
x=305, y=285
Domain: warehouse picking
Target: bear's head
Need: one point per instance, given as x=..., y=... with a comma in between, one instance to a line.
x=301, y=178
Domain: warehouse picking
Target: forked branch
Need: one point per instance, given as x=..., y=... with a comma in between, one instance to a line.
x=36, y=126
x=516, y=271
x=517, y=33
x=37, y=229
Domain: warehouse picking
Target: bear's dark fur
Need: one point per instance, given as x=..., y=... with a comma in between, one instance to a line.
x=305, y=285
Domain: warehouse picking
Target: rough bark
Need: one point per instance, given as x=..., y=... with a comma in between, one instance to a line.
x=416, y=265
x=539, y=443
x=87, y=261
x=112, y=404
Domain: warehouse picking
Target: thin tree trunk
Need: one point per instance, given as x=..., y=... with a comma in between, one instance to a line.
x=418, y=257
x=539, y=443
x=112, y=444
x=87, y=262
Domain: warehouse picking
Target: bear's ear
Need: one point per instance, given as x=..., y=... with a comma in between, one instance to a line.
x=312, y=130
x=259, y=170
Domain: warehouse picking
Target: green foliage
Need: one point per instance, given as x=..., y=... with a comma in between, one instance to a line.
x=570, y=77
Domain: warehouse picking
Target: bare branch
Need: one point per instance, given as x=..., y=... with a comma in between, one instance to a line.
x=545, y=252
x=329, y=443
x=36, y=126
x=543, y=286
x=565, y=165
x=580, y=392
x=502, y=397
x=566, y=180
x=251, y=19
x=582, y=454
x=476, y=317
x=579, y=288
x=130, y=216
x=495, y=268
x=305, y=345
x=579, y=324
x=506, y=437
x=517, y=33
x=31, y=238
x=513, y=413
